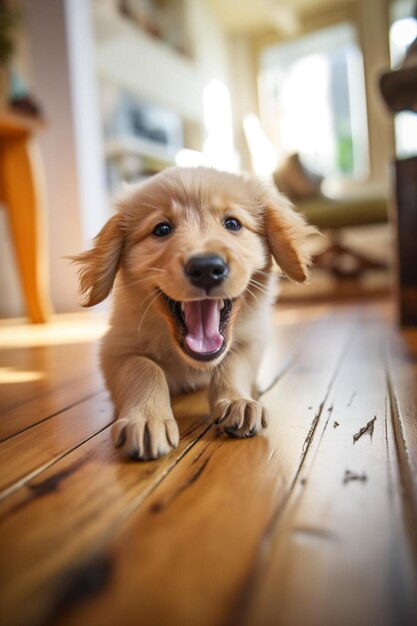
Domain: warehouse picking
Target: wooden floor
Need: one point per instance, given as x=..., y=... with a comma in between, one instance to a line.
x=313, y=523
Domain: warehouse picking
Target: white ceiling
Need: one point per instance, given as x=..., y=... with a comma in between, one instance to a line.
x=250, y=16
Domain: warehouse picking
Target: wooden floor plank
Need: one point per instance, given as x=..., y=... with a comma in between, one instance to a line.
x=94, y=489
x=34, y=411
x=340, y=551
x=28, y=453
x=304, y=525
x=402, y=376
x=36, y=372
x=71, y=508
x=196, y=535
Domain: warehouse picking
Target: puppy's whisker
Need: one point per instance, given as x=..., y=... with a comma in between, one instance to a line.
x=147, y=310
x=132, y=284
x=145, y=300
x=263, y=273
x=253, y=295
x=257, y=282
x=258, y=287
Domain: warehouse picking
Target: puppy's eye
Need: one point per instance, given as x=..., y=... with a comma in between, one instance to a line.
x=232, y=224
x=162, y=230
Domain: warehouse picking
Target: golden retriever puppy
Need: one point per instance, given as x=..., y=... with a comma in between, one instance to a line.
x=190, y=252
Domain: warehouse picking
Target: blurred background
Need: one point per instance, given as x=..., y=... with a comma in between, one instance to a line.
x=104, y=91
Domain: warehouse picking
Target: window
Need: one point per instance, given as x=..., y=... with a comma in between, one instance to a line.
x=402, y=33
x=312, y=100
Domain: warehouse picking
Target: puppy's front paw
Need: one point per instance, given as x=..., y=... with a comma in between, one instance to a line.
x=241, y=418
x=145, y=438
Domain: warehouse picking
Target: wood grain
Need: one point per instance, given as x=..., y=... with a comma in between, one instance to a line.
x=29, y=452
x=312, y=523
x=402, y=376
x=33, y=412
x=199, y=530
x=56, y=365
x=94, y=490
x=342, y=541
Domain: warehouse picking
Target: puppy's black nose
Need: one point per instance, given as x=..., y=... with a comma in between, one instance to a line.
x=206, y=271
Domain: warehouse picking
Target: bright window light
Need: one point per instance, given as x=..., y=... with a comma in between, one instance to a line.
x=312, y=101
x=403, y=32
x=263, y=153
x=298, y=124
x=218, y=145
x=190, y=158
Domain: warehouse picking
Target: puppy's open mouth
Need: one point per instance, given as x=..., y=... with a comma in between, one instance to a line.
x=202, y=324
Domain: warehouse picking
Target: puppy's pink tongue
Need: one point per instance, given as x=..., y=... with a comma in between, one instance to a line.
x=202, y=319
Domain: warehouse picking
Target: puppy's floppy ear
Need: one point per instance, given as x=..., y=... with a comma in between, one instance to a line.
x=100, y=264
x=287, y=233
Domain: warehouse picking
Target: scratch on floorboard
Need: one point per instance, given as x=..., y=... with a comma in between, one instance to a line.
x=309, y=532
x=248, y=585
x=368, y=429
x=352, y=397
x=200, y=454
x=163, y=504
x=353, y=476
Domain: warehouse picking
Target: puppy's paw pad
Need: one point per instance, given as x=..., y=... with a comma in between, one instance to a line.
x=241, y=418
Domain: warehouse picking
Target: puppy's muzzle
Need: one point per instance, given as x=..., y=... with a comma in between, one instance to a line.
x=206, y=271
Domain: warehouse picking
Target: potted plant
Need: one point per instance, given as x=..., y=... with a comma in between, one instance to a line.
x=9, y=17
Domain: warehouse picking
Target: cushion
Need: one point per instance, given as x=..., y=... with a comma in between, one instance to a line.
x=294, y=180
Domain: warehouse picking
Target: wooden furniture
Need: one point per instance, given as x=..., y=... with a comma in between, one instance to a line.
x=312, y=523
x=22, y=194
x=405, y=176
x=332, y=216
x=399, y=89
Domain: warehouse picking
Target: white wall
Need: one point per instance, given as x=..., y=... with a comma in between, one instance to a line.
x=244, y=92
x=210, y=42
x=152, y=70
x=49, y=78
x=374, y=25
x=11, y=301
x=89, y=146
x=59, y=61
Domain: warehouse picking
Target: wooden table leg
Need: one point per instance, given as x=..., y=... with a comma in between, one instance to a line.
x=406, y=225
x=20, y=172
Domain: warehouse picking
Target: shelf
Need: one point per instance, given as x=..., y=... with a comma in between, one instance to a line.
x=120, y=146
x=153, y=70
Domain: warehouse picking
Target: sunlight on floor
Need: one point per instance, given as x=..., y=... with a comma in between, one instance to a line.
x=11, y=375
x=62, y=329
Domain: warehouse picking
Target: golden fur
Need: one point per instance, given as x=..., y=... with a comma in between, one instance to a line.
x=141, y=356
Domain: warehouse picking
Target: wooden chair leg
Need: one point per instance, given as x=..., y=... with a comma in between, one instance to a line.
x=345, y=262
x=21, y=191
